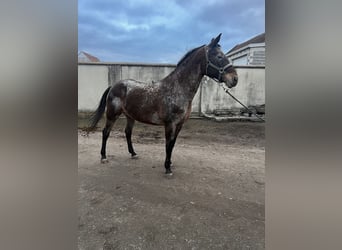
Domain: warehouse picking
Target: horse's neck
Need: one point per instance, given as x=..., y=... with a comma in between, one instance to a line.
x=187, y=76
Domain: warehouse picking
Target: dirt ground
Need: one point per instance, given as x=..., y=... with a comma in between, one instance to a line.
x=214, y=200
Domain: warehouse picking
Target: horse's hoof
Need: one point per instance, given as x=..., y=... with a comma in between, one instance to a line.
x=135, y=156
x=169, y=176
x=104, y=160
x=168, y=172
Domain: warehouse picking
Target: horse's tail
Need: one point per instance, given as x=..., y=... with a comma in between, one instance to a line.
x=97, y=115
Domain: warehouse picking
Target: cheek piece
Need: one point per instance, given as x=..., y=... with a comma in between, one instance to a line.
x=220, y=70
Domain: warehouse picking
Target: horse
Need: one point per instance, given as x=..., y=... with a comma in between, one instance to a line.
x=166, y=102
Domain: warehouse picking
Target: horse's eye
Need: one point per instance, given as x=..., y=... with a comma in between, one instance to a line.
x=220, y=57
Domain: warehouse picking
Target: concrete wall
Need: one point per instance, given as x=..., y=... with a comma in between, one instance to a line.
x=250, y=90
x=92, y=82
x=94, y=78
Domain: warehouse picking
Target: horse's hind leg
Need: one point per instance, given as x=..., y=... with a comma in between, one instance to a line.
x=128, y=132
x=105, y=134
x=112, y=114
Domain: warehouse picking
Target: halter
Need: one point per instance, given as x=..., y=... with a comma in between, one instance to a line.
x=220, y=70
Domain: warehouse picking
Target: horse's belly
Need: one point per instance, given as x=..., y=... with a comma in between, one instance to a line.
x=145, y=117
x=142, y=110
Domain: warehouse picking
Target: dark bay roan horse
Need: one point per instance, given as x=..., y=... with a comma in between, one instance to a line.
x=167, y=102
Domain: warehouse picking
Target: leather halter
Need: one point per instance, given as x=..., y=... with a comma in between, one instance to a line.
x=220, y=70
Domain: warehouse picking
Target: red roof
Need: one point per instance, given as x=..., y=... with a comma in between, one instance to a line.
x=90, y=57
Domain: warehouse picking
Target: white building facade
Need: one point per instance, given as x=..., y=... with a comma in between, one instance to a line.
x=251, y=52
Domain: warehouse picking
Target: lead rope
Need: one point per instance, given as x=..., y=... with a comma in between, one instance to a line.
x=227, y=91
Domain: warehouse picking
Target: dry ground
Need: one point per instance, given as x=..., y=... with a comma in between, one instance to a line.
x=215, y=199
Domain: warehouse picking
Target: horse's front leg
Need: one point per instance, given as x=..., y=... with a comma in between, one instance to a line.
x=171, y=133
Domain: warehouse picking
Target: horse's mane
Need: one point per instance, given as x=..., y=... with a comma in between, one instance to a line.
x=188, y=54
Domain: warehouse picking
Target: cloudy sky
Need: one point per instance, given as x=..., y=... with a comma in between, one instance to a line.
x=156, y=31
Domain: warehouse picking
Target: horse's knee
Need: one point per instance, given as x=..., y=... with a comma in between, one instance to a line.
x=128, y=132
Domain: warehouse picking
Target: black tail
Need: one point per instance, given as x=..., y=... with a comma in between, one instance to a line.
x=97, y=115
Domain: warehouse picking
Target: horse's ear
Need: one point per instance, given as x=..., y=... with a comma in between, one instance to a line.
x=215, y=41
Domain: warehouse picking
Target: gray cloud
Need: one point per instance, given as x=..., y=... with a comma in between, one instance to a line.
x=162, y=31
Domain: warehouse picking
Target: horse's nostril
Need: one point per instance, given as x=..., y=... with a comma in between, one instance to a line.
x=235, y=79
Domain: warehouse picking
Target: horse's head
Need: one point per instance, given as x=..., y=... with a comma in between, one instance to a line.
x=218, y=65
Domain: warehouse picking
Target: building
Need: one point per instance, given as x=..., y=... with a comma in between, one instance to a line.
x=250, y=52
x=86, y=57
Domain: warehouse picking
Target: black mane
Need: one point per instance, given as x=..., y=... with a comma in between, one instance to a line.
x=188, y=54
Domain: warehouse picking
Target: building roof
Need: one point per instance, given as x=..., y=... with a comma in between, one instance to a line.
x=90, y=58
x=257, y=39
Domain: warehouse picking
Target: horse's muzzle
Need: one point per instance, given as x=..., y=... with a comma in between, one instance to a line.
x=231, y=81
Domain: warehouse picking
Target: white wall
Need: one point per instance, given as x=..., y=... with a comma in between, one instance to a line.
x=92, y=82
x=94, y=78
x=250, y=90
